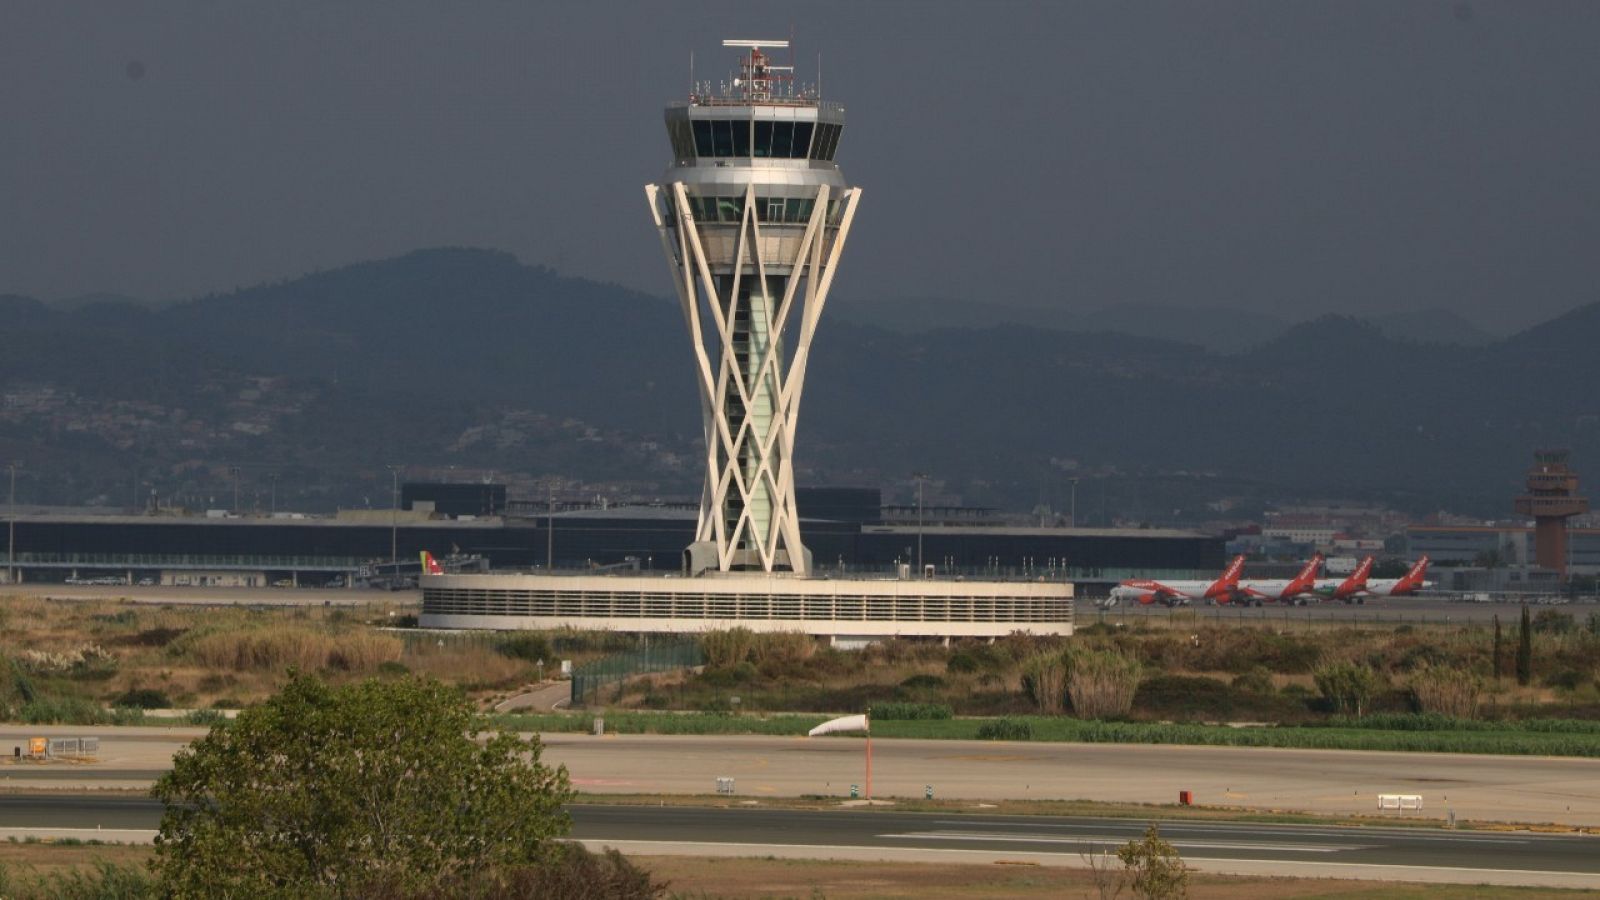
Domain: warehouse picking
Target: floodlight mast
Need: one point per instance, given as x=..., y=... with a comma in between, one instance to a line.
x=753, y=216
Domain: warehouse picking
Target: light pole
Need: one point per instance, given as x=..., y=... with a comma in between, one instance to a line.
x=234, y=471
x=272, y=510
x=550, y=531
x=394, y=522
x=921, y=480
x=11, y=529
x=1072, y=522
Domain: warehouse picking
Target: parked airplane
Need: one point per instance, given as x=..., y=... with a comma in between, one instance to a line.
x=1402, y=587
x=1179, y=593
x=1351, y=590
x=430, y=566
x=1294, y=590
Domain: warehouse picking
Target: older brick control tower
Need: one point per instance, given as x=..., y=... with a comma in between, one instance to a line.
x=1551, y=499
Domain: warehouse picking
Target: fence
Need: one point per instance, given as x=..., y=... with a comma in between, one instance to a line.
x=657, y=655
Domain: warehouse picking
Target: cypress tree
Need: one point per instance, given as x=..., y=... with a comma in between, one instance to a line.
x=1499, y=650
x=1525, y=650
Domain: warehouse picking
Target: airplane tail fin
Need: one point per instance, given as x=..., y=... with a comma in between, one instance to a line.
x=1230, y=575
x=1362, y=572
x=430, y=566
x=1418, y=573
x=1308, y=575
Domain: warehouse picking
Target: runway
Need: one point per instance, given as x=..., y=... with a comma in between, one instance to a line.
x=1376, y=853
x=1329, y=782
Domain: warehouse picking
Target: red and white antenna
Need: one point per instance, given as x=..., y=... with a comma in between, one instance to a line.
x=757, y=75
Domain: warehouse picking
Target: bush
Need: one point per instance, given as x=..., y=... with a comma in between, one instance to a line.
x=142, y=698
x=1156, y=870
x=1256, y=681
x=1044, y=681
x=1100, y=683
x=527, y=646
x=1005, y=730
x=1185, y=697
x=572, y=873
x=393, y=668
x=923, y=681
x=1550, y=621
x=780, y=652
x=1567, y=679
x=726, y=648
x=910, y=711
x=1447, y=692
x=1348, y=687
x=961, y=663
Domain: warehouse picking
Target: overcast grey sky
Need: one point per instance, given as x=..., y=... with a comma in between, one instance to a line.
x=1295, y=158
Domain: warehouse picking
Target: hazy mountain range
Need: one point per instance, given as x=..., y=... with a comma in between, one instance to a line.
x=1214, y=328
x=466, y=358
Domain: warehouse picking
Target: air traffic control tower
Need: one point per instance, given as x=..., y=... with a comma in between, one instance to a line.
x=753, y=216
x=1551, y=500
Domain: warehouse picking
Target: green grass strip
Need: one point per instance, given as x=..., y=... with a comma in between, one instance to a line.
x=1532, y=740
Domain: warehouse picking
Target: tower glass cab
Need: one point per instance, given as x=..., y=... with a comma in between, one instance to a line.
x=753, y=215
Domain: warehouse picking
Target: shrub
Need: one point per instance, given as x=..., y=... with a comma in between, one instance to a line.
x=1005, y=730
x=778, y=652
x=529, y=646
x=393, y=668
x=913, y=711
x=1044, y=680
x=1256, y=681
x=1185, y=697
x=1550, y=621
x=727, y=647
x=1567, y=679
x=961, y=663
x=1348, y=687
x=1157, y=871
x=923, y=681
x=1100, y=683
x=572, y=873
x=279, y=648
x=1447, y=692
x=142, y=698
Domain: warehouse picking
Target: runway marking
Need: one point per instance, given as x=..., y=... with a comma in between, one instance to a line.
x=1101, y=839
x=1135, y=828
x=1218, y=860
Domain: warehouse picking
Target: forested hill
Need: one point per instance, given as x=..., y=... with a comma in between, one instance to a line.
x=460, y=357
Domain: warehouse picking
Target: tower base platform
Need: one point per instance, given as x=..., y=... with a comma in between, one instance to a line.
x=824, y=607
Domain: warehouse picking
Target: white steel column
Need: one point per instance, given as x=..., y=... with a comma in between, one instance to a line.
x=747, y=508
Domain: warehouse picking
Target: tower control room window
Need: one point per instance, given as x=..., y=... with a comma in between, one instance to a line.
x=703, y=145
x=722, y=137
x=763, y=141
x=802, y=140
x=782, y=138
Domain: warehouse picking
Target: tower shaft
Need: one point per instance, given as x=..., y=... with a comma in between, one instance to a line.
x=753, y=216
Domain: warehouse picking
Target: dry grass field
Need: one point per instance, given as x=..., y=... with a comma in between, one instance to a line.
x=720, y=878
x=69, y=660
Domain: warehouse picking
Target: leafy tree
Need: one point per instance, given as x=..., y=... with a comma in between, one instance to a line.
x=1525, y=649
x=334, y=790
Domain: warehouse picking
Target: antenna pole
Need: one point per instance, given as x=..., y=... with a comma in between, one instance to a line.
x=819, y=74
x=691, y=73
